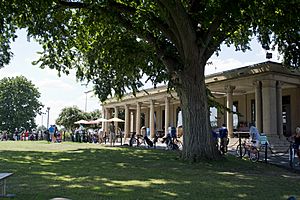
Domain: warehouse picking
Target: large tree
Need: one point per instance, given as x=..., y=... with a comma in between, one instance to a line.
x=115, y=42
x=19, y=103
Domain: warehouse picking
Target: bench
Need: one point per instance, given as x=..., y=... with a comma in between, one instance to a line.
x=3, y=177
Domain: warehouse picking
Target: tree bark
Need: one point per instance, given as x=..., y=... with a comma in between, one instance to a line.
x=197, y=141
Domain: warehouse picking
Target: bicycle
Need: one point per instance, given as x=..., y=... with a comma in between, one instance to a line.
x=178, y=143
x=136, y=140
x=252, y=151
x=223, y=145
x=172, y=143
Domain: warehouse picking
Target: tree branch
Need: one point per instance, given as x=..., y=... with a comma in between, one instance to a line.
x=182, y=25
x=72, y=4
x=120, y=11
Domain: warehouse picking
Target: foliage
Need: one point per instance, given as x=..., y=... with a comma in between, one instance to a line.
x=19, y=103
x=89, y=171
x=68, y=116
x=96, y=114
x=114, y=43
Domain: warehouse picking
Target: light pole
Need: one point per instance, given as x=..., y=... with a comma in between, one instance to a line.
x=48, y=108
x=86, y=92
x=42, y=115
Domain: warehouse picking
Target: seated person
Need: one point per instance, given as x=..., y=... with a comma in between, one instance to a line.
x=254, y=136
x=223, y=134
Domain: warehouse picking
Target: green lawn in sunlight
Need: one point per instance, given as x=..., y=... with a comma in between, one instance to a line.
x=90, y=171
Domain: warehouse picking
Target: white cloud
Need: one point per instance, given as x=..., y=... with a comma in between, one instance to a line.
x=55, y=84
x=219, y=65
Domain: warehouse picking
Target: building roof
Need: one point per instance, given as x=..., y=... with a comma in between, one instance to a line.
x=242, y=78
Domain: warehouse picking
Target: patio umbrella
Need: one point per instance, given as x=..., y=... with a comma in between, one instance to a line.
x=82, y=121
x=97, y=121
x=100, y=120
x=115, y=119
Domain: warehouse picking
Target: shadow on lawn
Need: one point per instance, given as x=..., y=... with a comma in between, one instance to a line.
x=127, y=173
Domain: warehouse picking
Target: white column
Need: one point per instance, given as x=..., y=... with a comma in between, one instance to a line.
x=258, y=106
x=116, y=115
x=158, y=117
x=127, y=121
x=152, y=130
x=279, y=109
x=132, y=121
x=167, y=114
x=229, y=104
x=138, y=118
x=103, y=116
x=147, y=124
x=108, y=116
x=269, y=107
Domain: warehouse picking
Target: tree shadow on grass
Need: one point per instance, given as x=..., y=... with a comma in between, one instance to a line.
x=129, y=173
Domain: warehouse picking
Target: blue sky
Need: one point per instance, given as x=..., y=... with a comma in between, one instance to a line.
x=59, y=92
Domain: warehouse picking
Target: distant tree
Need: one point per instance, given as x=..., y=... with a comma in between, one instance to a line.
x=93, y=115
x=19, y=103
x=41, y=128
x=68, y=116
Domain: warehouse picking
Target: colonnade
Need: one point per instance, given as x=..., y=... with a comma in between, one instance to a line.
x=133, y=116
x=268, y=107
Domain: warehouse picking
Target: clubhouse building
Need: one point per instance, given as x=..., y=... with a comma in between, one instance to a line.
x=265, y=94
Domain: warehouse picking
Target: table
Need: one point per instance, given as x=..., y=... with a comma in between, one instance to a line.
x=3, y=177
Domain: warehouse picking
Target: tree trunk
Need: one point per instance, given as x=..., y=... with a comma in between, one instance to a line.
x=197, y=141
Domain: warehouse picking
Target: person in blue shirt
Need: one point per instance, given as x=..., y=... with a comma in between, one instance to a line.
x=223, y=134
x=51, y=132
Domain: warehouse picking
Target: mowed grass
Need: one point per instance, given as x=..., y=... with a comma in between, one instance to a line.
x=89, y=171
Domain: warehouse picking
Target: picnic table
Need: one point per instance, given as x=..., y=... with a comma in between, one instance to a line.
x=3, y=177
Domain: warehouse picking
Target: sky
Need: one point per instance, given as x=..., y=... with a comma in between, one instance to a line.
x=60, y=92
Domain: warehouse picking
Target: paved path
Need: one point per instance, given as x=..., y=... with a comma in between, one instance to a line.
x=280, y=159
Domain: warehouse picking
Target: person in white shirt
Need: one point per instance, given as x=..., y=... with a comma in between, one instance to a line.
x=254, y=136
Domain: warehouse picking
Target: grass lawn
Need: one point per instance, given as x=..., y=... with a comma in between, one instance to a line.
x=89, y=171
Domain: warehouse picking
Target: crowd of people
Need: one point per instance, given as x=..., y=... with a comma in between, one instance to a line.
x=22, y=134
x=98, y=136
x=86, y=135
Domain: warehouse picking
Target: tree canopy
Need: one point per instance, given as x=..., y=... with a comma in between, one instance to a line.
x=19, y=103
x=69, y=115
x=113, y=43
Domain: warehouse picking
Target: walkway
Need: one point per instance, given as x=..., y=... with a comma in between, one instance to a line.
x=280, y=159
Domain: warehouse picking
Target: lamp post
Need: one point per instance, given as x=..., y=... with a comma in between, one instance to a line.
x=86, y=92
x=48, y=108
x=42, y=115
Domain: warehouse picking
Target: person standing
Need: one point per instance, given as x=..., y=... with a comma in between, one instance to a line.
x=223, y=134
x=17, y=137
x=51, y=132
x=112, y=134
x=297, y=143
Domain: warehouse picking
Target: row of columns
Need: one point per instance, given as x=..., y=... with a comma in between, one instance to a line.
x=137, y=119
x=268, y=107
